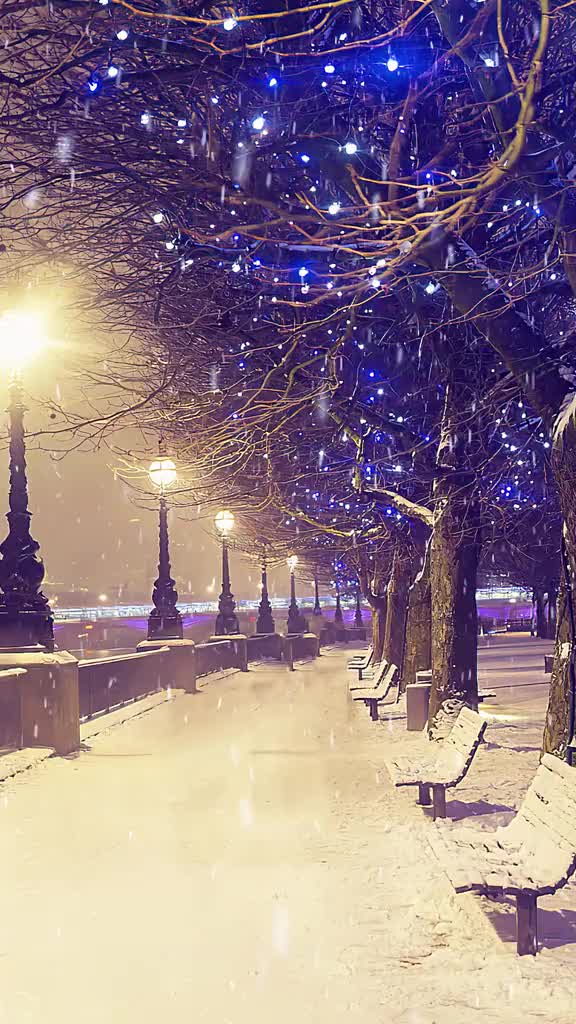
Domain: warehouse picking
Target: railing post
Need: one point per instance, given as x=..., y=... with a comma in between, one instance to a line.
x=288, y=651
x=241, y=651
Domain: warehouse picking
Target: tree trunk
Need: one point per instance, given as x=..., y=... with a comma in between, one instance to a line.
x=560, y=716
x=398, y=586
x=418, y=647
x=378, y=605
x=454, y=566
x=541, y=620
x=455, y=552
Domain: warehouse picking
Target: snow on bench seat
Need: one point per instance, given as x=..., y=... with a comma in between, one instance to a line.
x=532, y=856
x=360, y=662
x=447, y=768
x=374, y=695
x=373, y=681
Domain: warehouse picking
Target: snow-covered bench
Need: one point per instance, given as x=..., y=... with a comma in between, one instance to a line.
x=374, y=695
x=375, y=678
x=360, y=662
x=447, y=768
x=532, y=856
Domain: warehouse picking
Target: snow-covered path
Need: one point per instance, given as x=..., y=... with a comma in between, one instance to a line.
x=239, y=857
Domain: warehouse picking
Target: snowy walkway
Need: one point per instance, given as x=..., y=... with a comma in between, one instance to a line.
x=238, y=857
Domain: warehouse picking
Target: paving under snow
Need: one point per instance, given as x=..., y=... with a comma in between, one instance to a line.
x=239, y=857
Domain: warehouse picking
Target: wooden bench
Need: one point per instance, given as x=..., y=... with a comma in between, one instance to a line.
x=360, y=662
x=532, y=856
x=369, y=684
x=447, y=768
x=374, y=695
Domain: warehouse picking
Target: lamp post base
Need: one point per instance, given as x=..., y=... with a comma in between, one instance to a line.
x=25, y=628
x=165, y=627
x=226, y=624
x=296, y=623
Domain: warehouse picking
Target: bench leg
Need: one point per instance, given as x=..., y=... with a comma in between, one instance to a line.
x=526, y=924
x=424, y=798
x=373, y=705
x=439, y=802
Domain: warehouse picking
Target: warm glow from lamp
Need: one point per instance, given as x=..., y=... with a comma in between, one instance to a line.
x=162, y=472
x=22, y=335
x=292, y=562
x=224, y=522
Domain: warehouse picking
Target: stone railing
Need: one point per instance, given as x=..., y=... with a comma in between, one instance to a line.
x=44, y=696
x=107, y=683
x=12, y=696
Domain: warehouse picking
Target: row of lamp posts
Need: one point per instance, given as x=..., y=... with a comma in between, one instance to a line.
x=25, y=615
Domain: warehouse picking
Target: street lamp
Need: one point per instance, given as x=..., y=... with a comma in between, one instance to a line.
x=296, y=622
x=317, y=605
x=226, y=620
x=338, y=616
x=25, y=615
x=164, y=621
x=265, y=621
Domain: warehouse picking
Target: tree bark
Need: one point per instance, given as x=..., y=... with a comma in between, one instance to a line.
x=398, y=586
x=455, y=552
x=560, y=716
x=379, y=614
x=454, y=566
x=418, y=646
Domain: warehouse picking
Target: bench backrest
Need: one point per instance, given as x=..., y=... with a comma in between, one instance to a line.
x=379, y=673
x=546, y=821
x=462, y=743
x=386, y=681
x=366, y=660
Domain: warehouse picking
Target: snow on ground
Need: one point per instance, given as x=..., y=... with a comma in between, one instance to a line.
x=240, y=857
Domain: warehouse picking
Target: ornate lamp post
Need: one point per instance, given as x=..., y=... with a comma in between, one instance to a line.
x=296, y=621
x=165, y=621
x=25, y=615
x=317, y=606
x=265, y=622
x=226, y=620
x=338, y=616
x=358, y=621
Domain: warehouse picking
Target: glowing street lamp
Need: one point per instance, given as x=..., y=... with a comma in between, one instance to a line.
x=164, y=621
x=296, y=622
x=25, y=615
x=226, y=620
x=265, y=620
